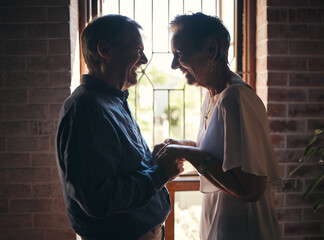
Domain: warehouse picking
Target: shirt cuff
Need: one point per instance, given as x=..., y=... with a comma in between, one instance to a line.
x=159, y=177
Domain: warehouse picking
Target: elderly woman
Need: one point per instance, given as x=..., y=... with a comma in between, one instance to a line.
x=233, y=153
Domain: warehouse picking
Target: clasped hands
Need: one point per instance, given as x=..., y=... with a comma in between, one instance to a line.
x=171, y=154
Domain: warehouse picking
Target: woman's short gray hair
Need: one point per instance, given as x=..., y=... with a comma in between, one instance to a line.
x=198, y=27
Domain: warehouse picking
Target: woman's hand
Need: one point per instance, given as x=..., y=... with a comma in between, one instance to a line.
x=183, y=142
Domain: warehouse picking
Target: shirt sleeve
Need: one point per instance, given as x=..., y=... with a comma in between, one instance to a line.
x=89, y=154
x=247, y=142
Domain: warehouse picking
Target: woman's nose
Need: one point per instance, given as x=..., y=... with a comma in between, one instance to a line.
x=175, y=63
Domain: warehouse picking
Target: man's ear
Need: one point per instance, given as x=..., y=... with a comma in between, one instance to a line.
x=212, y=49
x=104, y=49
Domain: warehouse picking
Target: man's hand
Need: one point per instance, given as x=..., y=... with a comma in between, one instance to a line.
x=158, y=148
x=171, y=165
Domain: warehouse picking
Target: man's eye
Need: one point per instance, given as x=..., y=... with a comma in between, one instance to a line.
x=179, y=53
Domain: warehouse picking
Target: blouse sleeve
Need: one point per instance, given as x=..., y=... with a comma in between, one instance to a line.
x=247, y=142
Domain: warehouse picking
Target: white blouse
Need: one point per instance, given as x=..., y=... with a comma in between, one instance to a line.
x=236, y=132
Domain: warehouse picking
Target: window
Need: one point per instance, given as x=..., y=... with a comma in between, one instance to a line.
x=162, y=103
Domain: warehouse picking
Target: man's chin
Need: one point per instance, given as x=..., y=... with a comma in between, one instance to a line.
x=190, y=79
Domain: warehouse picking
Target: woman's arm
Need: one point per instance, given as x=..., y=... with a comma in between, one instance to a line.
x=244, y=186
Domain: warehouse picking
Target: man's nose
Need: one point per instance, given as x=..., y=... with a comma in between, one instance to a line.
x=175, y=63
x=143, y=58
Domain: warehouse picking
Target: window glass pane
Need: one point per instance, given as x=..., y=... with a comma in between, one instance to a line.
x=187, y=210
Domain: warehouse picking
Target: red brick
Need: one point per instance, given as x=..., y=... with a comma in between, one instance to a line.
x=305, y=228
x=309, y=170
x=286, y=31
x=306, y=79
x=60, y=234
x=286, y=95
x=277, y=110
x=277, y=79
x=59, y=46
x=316, y=95
x=309, y=214
x=43, y=159
x=277, y=47
x=9, y=160
x=47, y=190
x=316, y=31
x=30, y=175
x=277, y=15
x=25, y=234
x=13, y=95
x=12, y=31
x=313, y=124
x=306, y=15
x=25, y=47
x=29, y=111
x=292, y=185
x=287, y=63
x=46, y=3
x=2, y=144
x=9, y=63
x=43, y=64
x=23, y=15
x=298, y=141
x=306, y=47
x=4, y=206
x=25, y=79
x=58, y=14
x=306, y=110
x=54, y=110
x=12, y=3
x=23, y=144
x=279, y=200
x=31, y=205
x=60, y=79
x=59, y=205
x=13, y=128
x=278, y=140
x=293, y=214
x=287, y=3
x=288, y=156
x=58, y=220
x=48, y=31
x=15, y=221
x=43, y=127
x=282, y=126
x=316, y=64
x=3, y=176
x=48, y=95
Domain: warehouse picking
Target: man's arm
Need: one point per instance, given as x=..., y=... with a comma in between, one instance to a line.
x=89, y=158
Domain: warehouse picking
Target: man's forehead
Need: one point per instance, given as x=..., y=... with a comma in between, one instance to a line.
x=132, y=36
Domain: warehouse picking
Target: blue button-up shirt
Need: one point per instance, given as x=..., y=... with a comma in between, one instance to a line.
x=112, y=190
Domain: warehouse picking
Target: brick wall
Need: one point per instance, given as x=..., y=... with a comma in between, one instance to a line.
x=290, y=79
x=35, y=74
x=37, y=53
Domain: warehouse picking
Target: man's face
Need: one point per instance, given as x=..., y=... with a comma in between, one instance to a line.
x=130, y=57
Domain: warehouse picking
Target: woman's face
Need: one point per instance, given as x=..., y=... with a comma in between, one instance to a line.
x=192, y=63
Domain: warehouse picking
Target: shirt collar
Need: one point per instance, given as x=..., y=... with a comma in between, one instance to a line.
x=103, y=87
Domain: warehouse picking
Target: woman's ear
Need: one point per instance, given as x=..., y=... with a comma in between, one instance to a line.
x=103, y=49
x=212, y=49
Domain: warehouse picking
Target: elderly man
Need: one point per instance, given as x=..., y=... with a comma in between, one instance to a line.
x=112, y=188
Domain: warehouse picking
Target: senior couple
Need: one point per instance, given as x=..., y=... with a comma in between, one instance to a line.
x=114, y=186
